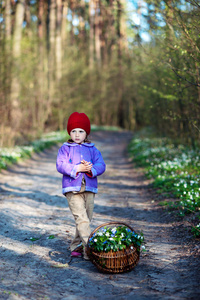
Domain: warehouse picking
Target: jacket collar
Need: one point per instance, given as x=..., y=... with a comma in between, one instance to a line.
x=75, y=144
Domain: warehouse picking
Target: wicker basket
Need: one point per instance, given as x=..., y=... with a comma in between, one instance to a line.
x=114, y=262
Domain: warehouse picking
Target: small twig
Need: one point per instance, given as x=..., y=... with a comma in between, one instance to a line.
x=191, y=83
x=196, y=127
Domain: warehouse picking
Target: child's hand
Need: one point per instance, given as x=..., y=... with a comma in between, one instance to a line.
x=84, y=162
x=85, y=167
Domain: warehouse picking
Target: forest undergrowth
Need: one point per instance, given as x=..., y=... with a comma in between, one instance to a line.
x=174, y=170
x=11, y=155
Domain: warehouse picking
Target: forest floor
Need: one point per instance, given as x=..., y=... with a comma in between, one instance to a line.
x=37, y=227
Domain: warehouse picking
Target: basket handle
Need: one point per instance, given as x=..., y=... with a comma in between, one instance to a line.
x=109, y=223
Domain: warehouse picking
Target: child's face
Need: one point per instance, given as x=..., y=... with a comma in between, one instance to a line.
x=78, y=135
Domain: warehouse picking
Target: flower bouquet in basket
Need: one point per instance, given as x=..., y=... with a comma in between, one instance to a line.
x=114, y=247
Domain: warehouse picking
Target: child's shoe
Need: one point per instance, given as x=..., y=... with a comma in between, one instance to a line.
x=76, y=254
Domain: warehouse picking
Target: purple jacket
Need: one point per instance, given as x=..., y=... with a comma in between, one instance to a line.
x=69, y=156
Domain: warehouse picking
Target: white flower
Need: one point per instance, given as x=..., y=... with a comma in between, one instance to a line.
x=114, y=230
x=107, y=234
x=131, y=247
x=111, y=239
x=95, y=240
x=143, y=247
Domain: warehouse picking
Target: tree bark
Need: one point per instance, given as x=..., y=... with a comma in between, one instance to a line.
x=7, y=50
x=110, y=32
x=64, y=24
x=119, y=52
x=28, y=19
x=91, y=42
x=16, y=52
x=58, y=42
x=41, y=105
x=98, y=32
x=51, y=50
x=7, y=20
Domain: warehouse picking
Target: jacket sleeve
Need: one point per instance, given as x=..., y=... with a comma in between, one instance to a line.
x=63, y=165
x=99, y=165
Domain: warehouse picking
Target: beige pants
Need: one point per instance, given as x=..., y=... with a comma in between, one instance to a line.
x=81, y=205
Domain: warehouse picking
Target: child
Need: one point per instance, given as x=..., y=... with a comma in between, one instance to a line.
x=80, y=162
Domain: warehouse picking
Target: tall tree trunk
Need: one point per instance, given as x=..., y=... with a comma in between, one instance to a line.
x=104, y=23
x=41, y=113
x=72, y=28
x=51, y=51
x=28, y=19
x=58, y=47
x=7, y=56
x=82, y=29
x=120, y=79
x=16, y=52
x=110, y=32
x=64, y=23
x=8, y=21
x=91, y=41
x=98, y=32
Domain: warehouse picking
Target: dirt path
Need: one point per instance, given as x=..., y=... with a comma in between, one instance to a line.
x=32, y=207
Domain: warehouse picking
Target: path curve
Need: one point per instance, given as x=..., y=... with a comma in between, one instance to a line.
x=37, y=227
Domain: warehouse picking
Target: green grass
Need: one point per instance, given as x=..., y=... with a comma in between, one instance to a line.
x=174, y=170
x=9, y=156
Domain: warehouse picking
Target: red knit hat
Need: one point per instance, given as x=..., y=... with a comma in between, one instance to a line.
x=78, y=120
